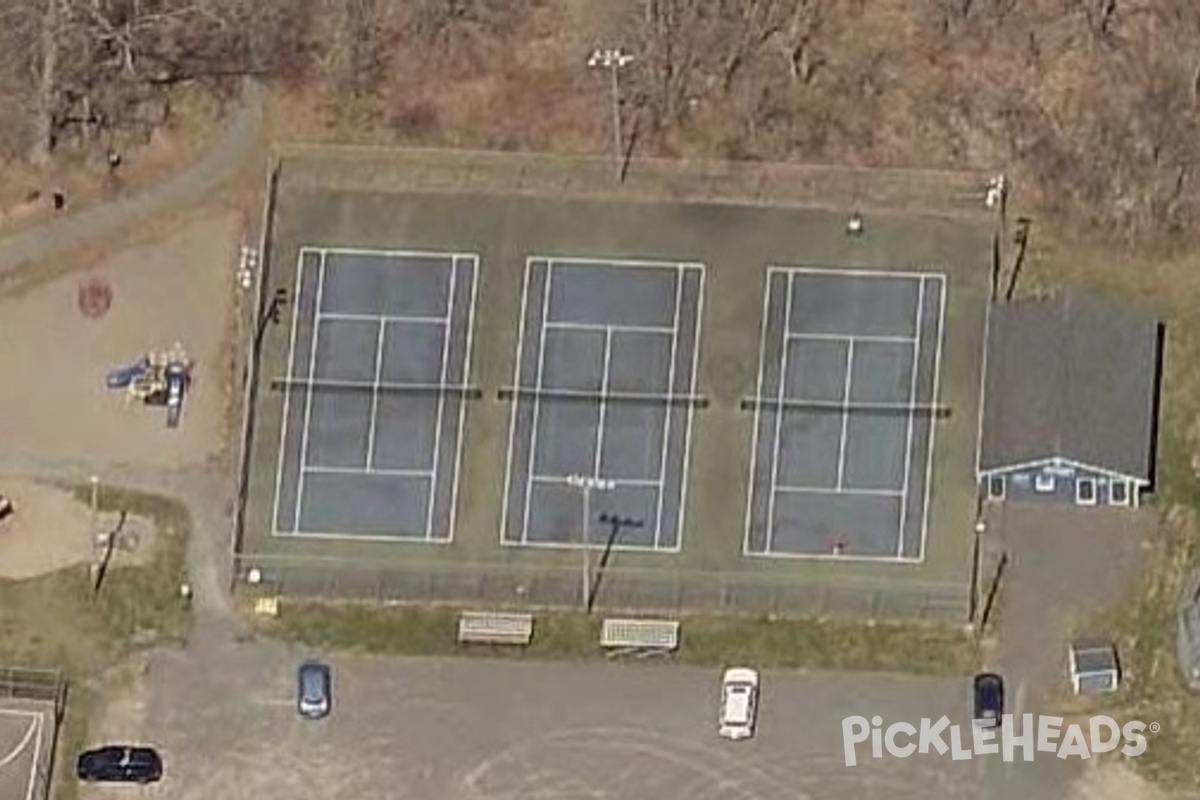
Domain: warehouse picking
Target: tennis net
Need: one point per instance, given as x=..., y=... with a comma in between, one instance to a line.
x=931, y=410
x=601, y=398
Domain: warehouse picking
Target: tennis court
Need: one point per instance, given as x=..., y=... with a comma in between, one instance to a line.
x=845, y=414
x=375, y=394
x=603, y=401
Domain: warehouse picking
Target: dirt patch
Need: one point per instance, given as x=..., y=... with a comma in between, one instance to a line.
x=50, y=530
x=54, y=359
x=1114, y=781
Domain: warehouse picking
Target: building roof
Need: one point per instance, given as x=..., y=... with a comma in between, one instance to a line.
x=1070, y=377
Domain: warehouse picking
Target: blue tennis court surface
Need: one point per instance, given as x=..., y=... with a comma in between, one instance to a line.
x=371, y=440
x=607, y=351
x=843, y=435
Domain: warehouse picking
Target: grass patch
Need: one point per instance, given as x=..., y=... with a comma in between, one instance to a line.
x=715, y=641
x=56, y=621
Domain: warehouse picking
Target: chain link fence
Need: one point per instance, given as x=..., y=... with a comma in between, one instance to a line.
x=44, y=691
x=927, y=192
x=637, y=590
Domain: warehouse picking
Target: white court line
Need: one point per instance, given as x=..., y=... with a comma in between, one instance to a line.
x=598, y=455
x=597, y=327
x=843, y=558
x=846, y=387
x=441, y=404
x=308, y=395
x=340, y=316
x=831, y=490
x=599, y=261
x=783, y=365
x=375, y=383
x=37, y=755
x=937, y=377
x=287, y=397
x=415, y=539
x=912, y=398
x=845, y=337
x=386, y=472
x=752, y=493
x=537, y=402
x=512, y=420
x=577, y=546
x=668, y=413
x=559, y=480
x=19, y=748
x=857, y=273
x=362, y=251
x=466, y=377
x=691, y=411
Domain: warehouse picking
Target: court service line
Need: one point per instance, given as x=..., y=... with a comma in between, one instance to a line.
x=780, y=391
x=287, y=397
x=846, y=387
x=341, y=316
x=371, y=422
x=668, y=413
x=615, y=263
x=387, y=254
x=691, y=411
x=462, y=406
x=516, y=406
x=832, y=490
x=937, y=379
x=912, y=398
x=441, y=404
x=385, y=472
x=308, y=396
x=640, y=483
x=599, y=327
x=846, y=337
x=753, y=490
x=537, y=401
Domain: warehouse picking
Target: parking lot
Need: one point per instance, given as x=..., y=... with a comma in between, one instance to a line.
x=501, y=730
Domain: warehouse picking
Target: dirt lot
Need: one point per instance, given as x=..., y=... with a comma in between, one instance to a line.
x=54, y=359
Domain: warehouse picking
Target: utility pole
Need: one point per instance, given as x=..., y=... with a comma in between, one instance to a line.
x=613, y=59
x=615, y=523
x=586, y=484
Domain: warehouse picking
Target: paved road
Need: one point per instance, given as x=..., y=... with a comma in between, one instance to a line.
x=433, y=729
x=218, y=165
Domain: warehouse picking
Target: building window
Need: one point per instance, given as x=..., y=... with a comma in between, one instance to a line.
x=1043, y=483
x=1085, y=491
x=1118, y=493
x=996, y=487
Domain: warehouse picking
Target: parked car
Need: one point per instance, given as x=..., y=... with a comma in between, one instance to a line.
x=314, y=690
x=119, y=763
x=739, y=703
x=989, y=699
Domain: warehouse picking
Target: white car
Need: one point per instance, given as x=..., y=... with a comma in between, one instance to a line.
x=739, y=703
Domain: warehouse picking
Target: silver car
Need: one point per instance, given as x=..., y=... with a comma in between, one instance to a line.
x=314, y=690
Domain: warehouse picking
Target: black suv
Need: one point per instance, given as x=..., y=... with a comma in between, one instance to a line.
x=119, y=763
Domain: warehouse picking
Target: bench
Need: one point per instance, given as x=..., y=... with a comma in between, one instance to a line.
x=491, y=627
x=645, y=635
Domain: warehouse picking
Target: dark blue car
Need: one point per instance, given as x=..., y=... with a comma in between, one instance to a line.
x=989, y=698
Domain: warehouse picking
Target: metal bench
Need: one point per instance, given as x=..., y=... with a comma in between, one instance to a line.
x=640, y=635
x=490, y=627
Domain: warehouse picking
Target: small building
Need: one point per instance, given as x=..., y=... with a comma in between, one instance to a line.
x=1093, y=667
x=1070, y=405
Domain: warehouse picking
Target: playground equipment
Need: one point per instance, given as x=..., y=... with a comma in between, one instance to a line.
x=159, y=378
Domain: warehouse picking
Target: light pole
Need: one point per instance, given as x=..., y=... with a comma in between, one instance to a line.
x=613, y=59
x=586, y=484
x=615, y=523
